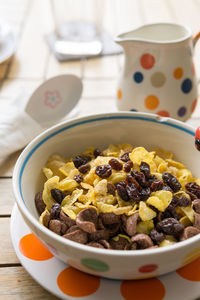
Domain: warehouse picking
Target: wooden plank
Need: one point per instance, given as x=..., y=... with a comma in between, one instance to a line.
x=31, y=57
x=16, y=283
x=7, y=164
x=7, y=253
x=7, y=197
x=99, y=88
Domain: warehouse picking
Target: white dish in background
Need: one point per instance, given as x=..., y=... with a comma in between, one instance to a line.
x=8, y=43
x=46, y=273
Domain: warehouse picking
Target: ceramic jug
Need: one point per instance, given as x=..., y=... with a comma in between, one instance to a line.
x=159, y=74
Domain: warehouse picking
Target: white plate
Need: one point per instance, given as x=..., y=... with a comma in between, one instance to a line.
x=8, y=43
x=67, y=283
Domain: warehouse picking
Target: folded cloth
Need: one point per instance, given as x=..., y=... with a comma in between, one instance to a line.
x=17, y=129
x=74, y=29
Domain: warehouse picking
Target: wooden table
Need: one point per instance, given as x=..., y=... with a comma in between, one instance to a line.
x=33, y=63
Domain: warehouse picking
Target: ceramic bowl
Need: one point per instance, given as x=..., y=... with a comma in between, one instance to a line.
x=69, y=138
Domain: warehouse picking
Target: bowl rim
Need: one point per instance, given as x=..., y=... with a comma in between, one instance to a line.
x=56, y=129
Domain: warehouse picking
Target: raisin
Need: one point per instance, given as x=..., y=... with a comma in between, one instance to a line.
x=80, y=160
x=115, y=164
x=130, y=179
x=170, y=212
x=78, y=178
x=121, y=189
x=97, y=152
x=39, y=203
x=145, y=193
x=84, y=168
x=171, y=181
x=157, y=237
x=128, y=165
x=57, y=195
x=139, y=176
x=167, y=188
x=170, y=226
x=193, y=188
x=125, y=157
x=144, y=168
x=55, y=211
x=132, y=192
x=175, y=201
x=111, y=188
x=151, y=179
x=103, y=171
x=184, y=201
x=157, y=185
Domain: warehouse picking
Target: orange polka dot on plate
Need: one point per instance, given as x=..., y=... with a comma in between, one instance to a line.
x=76, y=283
x=31, y=247
x=147, y=61
x=191, y=271
x=163, y=113
x=151, y=102
x=119, y=94
x=178, y=73
x=151, y=289
x=194, y=104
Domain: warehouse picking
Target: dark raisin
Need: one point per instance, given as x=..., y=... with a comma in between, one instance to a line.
x=121, y=189
x=170, y=226
x=175, y=201
x=97, y=152
x=103, y=171
x=78, y=178
x=130, y=180
x=157, y=237
x=167, y=188
x=157, y=185
x=144, y=168
x=115, y=164
x=84, y=168
x=39, y=203
x=151, y=179
x=184, y=201
x=145, y=193
x=193, y=188
x=111, y=188
x=55, y=211
x=139, y=176
x=170, y=212
x=171, y=181
x=80, y=160
x=57, y=195
x=128, y=166
x=132, y=192
x=125, y=157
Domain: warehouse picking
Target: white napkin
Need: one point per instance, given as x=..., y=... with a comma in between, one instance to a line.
x=17, y=128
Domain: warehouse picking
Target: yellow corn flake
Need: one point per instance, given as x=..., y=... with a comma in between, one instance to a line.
x=116, y=238
x=112, y=150
x=145, y=227
x=101, y=187
x=42, y=216
x=145, y=212
x=173, y=170
x=86, y=186
x=158, y=175
x=47, y=172
x=185, y=221
x=175, y=164
x=117, y=176
x=133, y=210
x=67, y=184
x=181, y=193
x=122, y=210
x=189, y=212
x=184, y=176
x=69, y=212
x=67, y=168
x=162, y=167
x=50, y=184
x=105, y=208
x=54, y=164
x=160, y=199
x=140, y=154
x=90, y=177
x=163, y=153
x=167, y=242
x=71, y=199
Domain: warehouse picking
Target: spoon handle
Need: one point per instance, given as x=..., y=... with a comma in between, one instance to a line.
x=197, y=138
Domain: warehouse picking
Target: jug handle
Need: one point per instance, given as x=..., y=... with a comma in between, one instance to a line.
x=196, y=38
x=197, y=138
